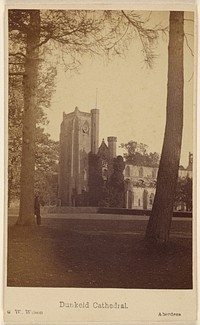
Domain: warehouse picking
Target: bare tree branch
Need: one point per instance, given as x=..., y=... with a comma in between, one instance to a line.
x=191, y=51
x=191, y=77
x=148, y=36
x=120, y=38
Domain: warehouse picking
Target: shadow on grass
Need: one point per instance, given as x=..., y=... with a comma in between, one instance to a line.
x=96, y=254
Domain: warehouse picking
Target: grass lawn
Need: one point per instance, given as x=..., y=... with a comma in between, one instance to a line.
x=98, y=254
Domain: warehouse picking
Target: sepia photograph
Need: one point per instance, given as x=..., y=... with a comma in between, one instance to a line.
x=100, y=141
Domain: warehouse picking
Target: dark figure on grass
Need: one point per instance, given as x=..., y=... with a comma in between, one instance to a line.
x=37, y=210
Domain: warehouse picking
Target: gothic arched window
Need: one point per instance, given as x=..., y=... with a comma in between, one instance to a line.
x=84, y=174
x=154, y=173
x=127, y=171
x=141, y=172
x=151, y=199
x=105, y=174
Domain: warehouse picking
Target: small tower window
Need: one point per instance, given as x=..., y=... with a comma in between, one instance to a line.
x=141, y=172
x=153, y=173
x=84, y=175
x=105, y=174
x=151, y=199
x=127, y=171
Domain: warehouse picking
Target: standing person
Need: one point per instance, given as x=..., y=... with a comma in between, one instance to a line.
x=37, y=209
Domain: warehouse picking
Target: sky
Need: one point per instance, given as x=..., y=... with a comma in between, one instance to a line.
x=130, y=96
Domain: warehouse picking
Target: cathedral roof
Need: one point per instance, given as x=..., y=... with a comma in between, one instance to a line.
x=103, y=150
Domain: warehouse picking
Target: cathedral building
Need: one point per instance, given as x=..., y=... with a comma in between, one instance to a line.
x=85, y=167
x=80, y=154
x=141, y=184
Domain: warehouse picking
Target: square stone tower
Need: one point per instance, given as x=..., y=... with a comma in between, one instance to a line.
x=79, y=135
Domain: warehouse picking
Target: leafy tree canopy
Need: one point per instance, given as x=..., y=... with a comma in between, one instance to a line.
x=116, y=185
x=137, y=154
x=184, y=193
x=46, y=152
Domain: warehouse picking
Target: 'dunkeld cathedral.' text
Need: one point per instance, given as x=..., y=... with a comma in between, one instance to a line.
x=94, y=305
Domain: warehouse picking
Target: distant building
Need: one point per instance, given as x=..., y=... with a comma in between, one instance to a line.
x=141, y=184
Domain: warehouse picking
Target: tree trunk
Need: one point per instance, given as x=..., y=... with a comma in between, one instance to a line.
x=26, y=211
x=158, y=227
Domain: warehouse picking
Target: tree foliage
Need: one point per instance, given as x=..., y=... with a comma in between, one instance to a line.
x=66, y=35
x=46, y=165
x=95, y=180
x=137, y=154
x=15, y=102
x=183, y=196
x=46, y=149
x=46, y=168
x=115, y=186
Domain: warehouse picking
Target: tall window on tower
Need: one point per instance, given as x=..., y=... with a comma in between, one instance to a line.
x=104, y=170
x=127, y=171
x=141, y=172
